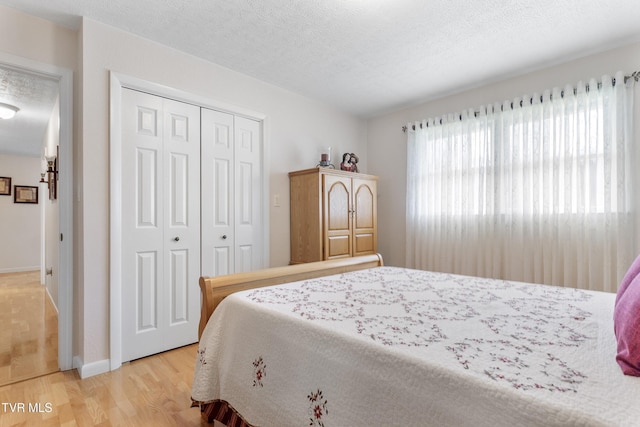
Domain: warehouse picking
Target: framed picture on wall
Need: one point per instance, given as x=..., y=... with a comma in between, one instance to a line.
x=5, y=186
x=25, y=194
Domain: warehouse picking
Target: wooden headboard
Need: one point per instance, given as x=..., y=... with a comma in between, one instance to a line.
x=215, y=289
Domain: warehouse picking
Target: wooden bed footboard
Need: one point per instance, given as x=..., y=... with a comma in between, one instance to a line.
x=215, y=289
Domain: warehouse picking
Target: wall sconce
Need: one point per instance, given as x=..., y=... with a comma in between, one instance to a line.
x=51, y=176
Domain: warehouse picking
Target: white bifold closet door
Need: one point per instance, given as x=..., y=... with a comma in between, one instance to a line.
x=231, y=194
x=161, y=224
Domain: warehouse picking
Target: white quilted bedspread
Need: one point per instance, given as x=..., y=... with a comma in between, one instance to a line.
x=398, y=347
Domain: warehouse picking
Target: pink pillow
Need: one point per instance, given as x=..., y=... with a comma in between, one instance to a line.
x=631, y=274
x=626, y=322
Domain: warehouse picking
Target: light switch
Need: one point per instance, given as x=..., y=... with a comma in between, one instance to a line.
x=276, y=200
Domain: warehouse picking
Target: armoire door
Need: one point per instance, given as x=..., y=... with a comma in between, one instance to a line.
x=364, y=216
x=337, y=216
x=161, y=224
x=232, y=201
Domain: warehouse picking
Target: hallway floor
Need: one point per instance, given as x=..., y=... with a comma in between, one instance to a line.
x=28, y=328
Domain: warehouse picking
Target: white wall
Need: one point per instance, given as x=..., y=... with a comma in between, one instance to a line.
x=298, y=125
x=36, y=39
x=387, y=142
x=19, y=222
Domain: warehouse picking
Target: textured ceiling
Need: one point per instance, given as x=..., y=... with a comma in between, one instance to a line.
x=367, y=57
x=35, y=96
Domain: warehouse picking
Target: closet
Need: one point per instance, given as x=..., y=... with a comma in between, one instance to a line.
x=192, y=205
x=333, y=214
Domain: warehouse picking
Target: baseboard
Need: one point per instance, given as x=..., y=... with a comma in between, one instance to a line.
x=53, y=304
x=19, y=269
x=90, y=369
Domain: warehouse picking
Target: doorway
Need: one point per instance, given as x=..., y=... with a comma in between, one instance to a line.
x=35, y=280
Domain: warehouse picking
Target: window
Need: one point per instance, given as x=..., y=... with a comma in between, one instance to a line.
x=532, y=191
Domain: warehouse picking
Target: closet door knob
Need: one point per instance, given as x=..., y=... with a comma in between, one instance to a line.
x=176, y=239
x=224, y=237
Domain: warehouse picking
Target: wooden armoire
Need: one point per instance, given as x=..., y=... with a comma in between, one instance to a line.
x=333, y=214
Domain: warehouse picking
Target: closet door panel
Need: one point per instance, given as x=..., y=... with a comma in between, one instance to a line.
x=221, y=261
x=161, y=224
x=248, y=195
x=178, y=192
x=146, y=318
x=179, y=287
x=143, y=223
x=217, y=200
x=181, y=257
x=146, y=188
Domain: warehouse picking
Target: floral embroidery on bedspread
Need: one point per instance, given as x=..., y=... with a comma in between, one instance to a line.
x=487, y=326
x=440, y=310
x=328, y=310
x=201, y=356
x=278, y=296
x=404, y=331
x=374, y=296
x=326, y=285
x=535, y=331
x=317, y=408
x=547, y=308
x=259, y=372
x=506, y=361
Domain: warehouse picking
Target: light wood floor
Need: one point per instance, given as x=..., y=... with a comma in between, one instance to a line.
x=153, y=391
x=28, y=328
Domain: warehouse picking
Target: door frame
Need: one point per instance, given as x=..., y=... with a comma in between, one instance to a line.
x=64, y=77
x=118, y=82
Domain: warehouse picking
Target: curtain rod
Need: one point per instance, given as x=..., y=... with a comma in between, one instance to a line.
x=635, y=76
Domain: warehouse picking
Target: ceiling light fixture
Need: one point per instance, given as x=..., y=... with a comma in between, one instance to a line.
x=7, y=111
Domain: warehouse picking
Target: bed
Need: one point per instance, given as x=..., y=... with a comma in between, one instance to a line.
x=352, y=342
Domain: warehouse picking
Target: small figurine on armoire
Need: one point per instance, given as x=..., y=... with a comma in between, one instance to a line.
x=349, y=162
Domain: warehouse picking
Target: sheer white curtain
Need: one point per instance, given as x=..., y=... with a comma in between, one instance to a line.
x=537, y=190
